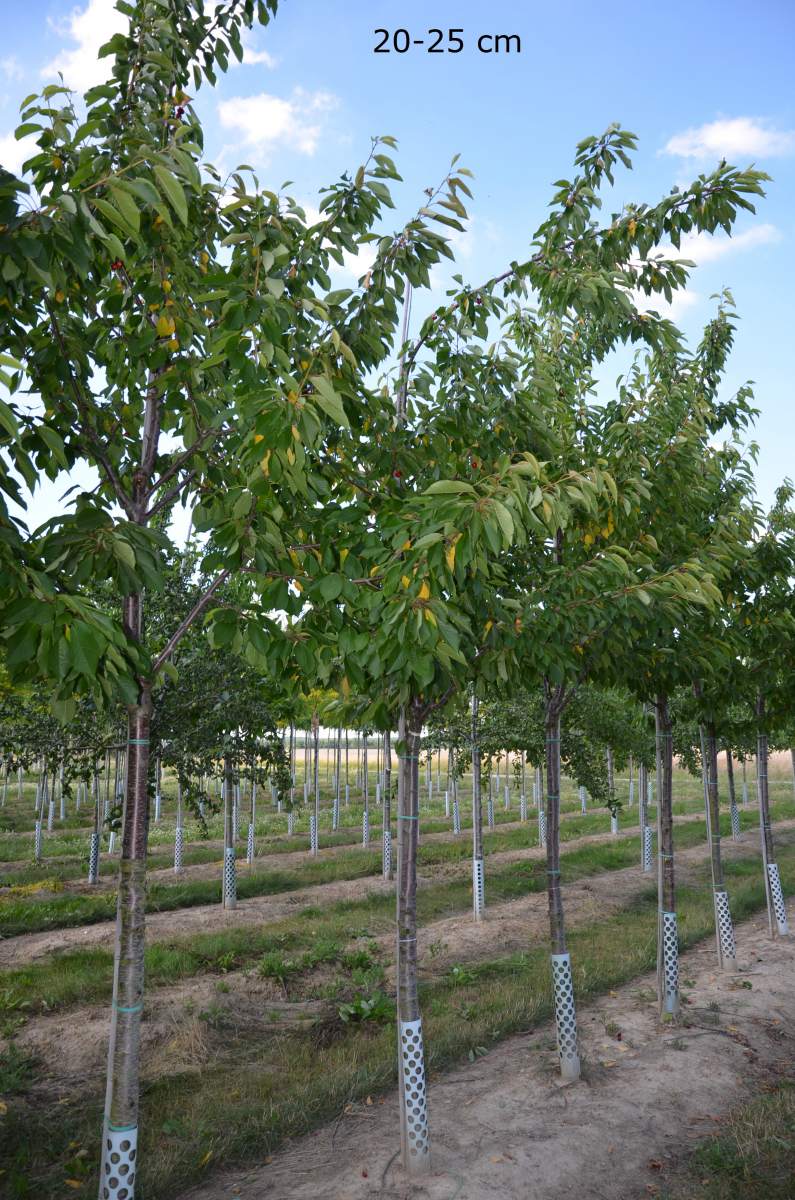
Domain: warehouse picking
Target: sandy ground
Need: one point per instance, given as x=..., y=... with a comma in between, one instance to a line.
x=73, y=1044
x=259, y=910
x=505, y=1127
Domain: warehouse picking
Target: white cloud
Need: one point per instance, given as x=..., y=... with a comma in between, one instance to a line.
x=11, y=68
x=732, y=137
x=264, y=121
x=251, y=56
x=89, y=27
x=681, y=301
x=702, y=248
x=14, y=153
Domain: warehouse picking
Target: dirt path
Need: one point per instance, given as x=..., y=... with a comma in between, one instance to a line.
x=74, y=1043
x=504, y=1126
x=260, y=910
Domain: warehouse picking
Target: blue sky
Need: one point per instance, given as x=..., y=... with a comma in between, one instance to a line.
x=696, y=81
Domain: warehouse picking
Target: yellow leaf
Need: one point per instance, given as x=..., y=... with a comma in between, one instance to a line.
x=344, y=552
x=449, y=556
x=290, y=455
x=59, y=296
x=265, y=463
x=165, y=325
x=298, y=586
x=632, y=225
x=488, y=626
x=406, y=545
x=166, y=286
x=258, y=437
x=296, y=432
x=404, y=579
x=430, y=616
x=346, y=687
x=204, y=1161
x=425, y=592
x=73, y=1183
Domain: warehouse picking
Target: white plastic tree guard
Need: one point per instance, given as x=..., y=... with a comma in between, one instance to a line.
x=478, y=889
x=523, y=807
x=93, y=859
x=365, y=828
x=179, y=840
x=735, y=820
x=670, y=964
x=777, y=898
x=456, y=816
x=117, y=1174
x=386, y=852
x=583, y=801
x=565, y=1016
x=723, y=918
x=542, y=827
x=647, y=848
x=230, y=878
x=490, y=812
x=413, y=1099
x=313, y=843
x=250, y=843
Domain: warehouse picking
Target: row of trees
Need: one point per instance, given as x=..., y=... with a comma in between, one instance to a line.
x=404, y=521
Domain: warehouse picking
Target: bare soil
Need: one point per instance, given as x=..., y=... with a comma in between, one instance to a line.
x=505, y=1127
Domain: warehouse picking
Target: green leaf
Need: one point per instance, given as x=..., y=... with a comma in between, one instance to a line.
x=451, y=487
x=331, y=587
x=126, y=206
x=173, y=191
x=328, y=400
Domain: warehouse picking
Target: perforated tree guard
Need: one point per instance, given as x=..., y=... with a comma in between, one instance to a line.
x=414, y=1105
x=290, y=822
x=447, y=804
x=507, y=795
x=50, y=815
x=631, y=792
x=158, y=805
x=542, y=827
x=313, y=844
x=723, y=917
x=777, y=896
x=614, y=824
x=230, y=878
x=490, y=812
x=37, y=842
x=670, y=963
x=178, y=844
x=478, y=891
x=523, y=807
x=117, y=1174
x=335, y=813
x=735, y=819
x=565, y=1016
x=386, y=852
x=583, y=801
x=647, y=847
x=456, y=816
x=365, y=828
x=250, y=843
x=93, y=858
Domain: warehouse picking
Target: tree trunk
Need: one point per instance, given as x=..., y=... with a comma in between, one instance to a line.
x=120, y=1135
x=733, y=810
x=386, y=852
x=668, y=938
x=478, y=883
x=727, y=953
x=229, y=883
x=565, y=1014
x=775, y=897
x=415, y=1141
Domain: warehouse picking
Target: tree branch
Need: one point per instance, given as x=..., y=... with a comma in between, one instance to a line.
x=187, y=621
